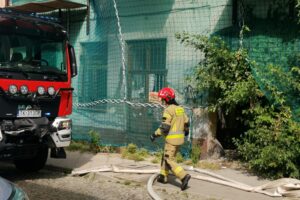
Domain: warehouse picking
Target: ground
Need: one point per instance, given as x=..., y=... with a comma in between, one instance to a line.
x=57, y=185
x=55, y=182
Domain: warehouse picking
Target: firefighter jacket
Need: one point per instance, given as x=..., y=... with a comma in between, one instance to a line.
x=174, y=125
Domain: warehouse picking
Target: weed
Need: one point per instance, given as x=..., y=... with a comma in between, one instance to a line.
x=208, y=165
x=195, y=155
x=157, y=156
x=94, y=141
x=90, y=176
x=127, y=182
x=185, y=194
x=132, y=148
x=179, y=158
x=92, y=145
x=132, y=152
x=188, y=162
x=81, y=146
x=107, y=149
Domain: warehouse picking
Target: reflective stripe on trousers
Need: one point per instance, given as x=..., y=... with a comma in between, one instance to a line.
x=164, y=172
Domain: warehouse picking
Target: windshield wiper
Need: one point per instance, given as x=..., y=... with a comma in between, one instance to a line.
x=4, y=64
x=15, y=70
x=51, y=74
x=62, y=76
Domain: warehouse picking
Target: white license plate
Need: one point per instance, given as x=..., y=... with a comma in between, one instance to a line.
x=29, y=113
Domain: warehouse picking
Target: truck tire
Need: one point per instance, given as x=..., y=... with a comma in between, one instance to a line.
x=33, y=164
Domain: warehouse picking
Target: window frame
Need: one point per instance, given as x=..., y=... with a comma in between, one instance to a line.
x=149, y=68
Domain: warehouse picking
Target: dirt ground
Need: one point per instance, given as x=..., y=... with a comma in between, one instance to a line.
x=54, y=185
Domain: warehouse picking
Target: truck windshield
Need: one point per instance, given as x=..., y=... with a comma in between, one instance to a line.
x=34, y=58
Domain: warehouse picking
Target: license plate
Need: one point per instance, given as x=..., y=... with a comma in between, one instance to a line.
x=29, y=113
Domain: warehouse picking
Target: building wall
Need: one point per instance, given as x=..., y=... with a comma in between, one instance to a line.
x=140, y=20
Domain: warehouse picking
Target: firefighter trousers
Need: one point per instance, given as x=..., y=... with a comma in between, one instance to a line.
x=169, y=162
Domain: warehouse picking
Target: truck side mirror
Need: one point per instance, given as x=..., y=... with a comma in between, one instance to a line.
x=72, y=61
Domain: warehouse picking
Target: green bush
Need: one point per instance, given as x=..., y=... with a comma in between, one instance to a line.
x=271, y=142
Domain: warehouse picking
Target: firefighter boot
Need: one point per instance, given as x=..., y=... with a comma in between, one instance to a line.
x=185, y=182
x=162, y=179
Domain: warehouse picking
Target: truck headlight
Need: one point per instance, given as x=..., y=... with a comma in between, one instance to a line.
x=24, y=89
x=65, y=125
x=62, y=132
x=12, y=89
x=51, y=91
x=41, y=90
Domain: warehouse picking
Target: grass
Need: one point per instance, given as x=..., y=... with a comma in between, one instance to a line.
x=195, y=154
x=179, y=158
x=84, y=146
x=127, y=182
x=157, y=157
x=132, y=152
x=81, y=146
x=205, y=164
x=185, y=194
x=93, y=145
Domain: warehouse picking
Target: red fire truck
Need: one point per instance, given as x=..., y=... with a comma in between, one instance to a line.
x=36, y=66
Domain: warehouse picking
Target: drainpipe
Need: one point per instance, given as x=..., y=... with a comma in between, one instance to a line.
x=88, y=17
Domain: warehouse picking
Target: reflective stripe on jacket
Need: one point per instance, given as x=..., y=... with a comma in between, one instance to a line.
x=174, y=117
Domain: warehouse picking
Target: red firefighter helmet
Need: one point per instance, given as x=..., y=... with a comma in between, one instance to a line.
x=166, y=94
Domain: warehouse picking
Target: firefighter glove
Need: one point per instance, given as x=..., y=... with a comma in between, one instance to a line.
x=152, y=137
x=186, y=132
x=186, y=129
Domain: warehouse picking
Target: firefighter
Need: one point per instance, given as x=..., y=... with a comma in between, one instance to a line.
x=174, y=126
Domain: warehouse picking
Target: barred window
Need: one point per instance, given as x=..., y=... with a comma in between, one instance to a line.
x=146, y=67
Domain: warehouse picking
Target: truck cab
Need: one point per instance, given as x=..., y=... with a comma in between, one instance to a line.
x=37, y=64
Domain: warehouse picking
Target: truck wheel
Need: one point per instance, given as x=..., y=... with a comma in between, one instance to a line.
x=33, y=164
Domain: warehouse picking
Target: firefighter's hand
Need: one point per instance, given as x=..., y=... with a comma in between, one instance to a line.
x=152, y=137
x=186, y=133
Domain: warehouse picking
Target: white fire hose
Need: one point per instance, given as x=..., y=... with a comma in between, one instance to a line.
x=286, y=187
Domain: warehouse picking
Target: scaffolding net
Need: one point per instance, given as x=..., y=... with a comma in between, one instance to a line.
x=127, y=51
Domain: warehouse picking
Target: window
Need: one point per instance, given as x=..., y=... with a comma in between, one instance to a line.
x=146, y=67
x=93, y=83
x=33, y=55
x=51, y=54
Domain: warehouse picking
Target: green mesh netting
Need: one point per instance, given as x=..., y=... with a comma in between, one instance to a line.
x=142, y=34
x=127, y=49
x=273, y=40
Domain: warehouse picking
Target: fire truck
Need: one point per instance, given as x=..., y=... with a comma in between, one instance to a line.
x=37, y=63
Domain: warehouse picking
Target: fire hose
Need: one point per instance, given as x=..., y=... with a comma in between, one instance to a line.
x=285, y=187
